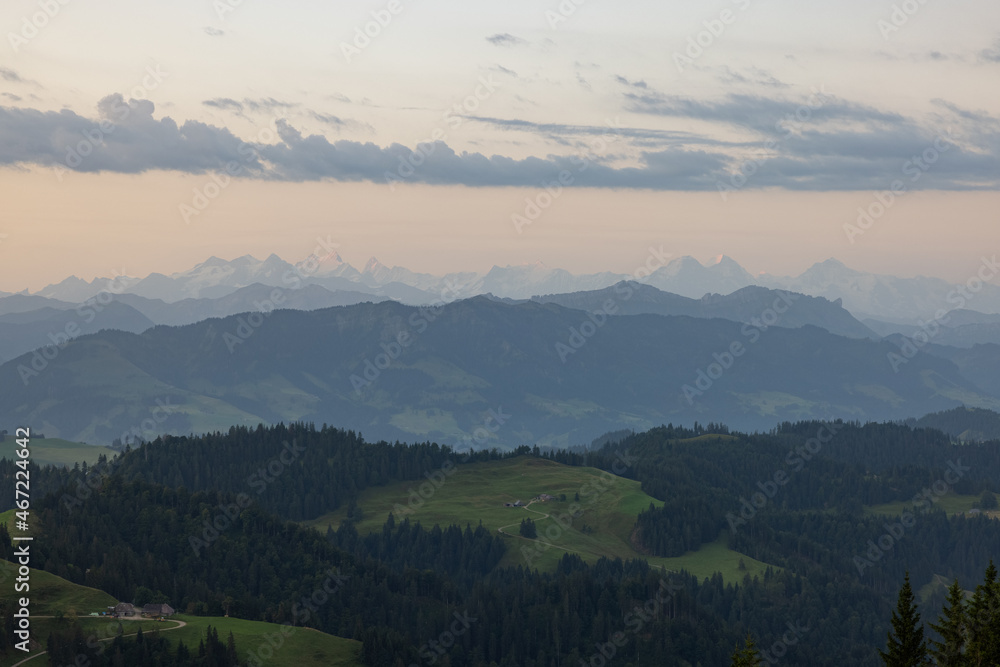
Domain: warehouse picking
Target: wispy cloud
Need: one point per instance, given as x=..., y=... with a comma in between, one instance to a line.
x=991, y=54
x=224, y=103
x=10, y=75
x=505, y=39
x=631, y=84
x=751, y=76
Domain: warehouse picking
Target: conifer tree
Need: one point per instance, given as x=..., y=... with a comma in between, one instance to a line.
x=748, y=656
x=906, y=646
x=953, y=628
x=984, y=621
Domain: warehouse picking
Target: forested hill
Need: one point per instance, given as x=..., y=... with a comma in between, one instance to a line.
x=183, y=518
x=968, y=424
x=395, y=372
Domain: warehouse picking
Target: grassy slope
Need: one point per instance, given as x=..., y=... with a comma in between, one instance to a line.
x=55, y=451
x=476, y=493
x=50, y=594
x=302, y=647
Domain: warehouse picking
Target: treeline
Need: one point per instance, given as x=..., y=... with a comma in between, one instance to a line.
x=722, y=483
x=68, y=645
x=169, y=519
x=464, y=555
x=296, y=471
x=136, y=534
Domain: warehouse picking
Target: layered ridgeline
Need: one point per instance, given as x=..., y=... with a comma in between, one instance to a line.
x=833, y=514
x=481, y=372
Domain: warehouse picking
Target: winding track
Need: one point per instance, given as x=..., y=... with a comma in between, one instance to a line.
x=180, y=624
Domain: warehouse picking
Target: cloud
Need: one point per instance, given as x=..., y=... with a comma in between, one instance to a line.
x=759, y=113
x=552, y=130
x=991, y=54
x=224, y=103
x=339, y=123
x=260, y=105
x=505, y=39
x=10, y=75
x=631, y=84
x=845, y=147
x=11, y=96
x=214, y=32
x=268, y=104
x=125, y=138
x=751, y=76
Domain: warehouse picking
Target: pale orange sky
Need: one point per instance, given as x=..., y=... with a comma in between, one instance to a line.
x=96, y=225
x=228, y=77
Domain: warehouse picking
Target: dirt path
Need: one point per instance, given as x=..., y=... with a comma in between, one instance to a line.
x=180, y=624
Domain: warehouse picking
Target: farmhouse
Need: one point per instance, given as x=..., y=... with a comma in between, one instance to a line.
x=158, y=610
x=125, y=609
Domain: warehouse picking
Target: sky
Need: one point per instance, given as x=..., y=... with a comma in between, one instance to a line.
x=141, y=136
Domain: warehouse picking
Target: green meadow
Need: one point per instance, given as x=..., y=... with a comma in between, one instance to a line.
x=46, y=451
x=603, y=524
x=273, y=644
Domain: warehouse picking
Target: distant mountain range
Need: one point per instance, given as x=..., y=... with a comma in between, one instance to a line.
x=885, y=299
x=743, y=305
x=549, y=374
x=28, y=322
